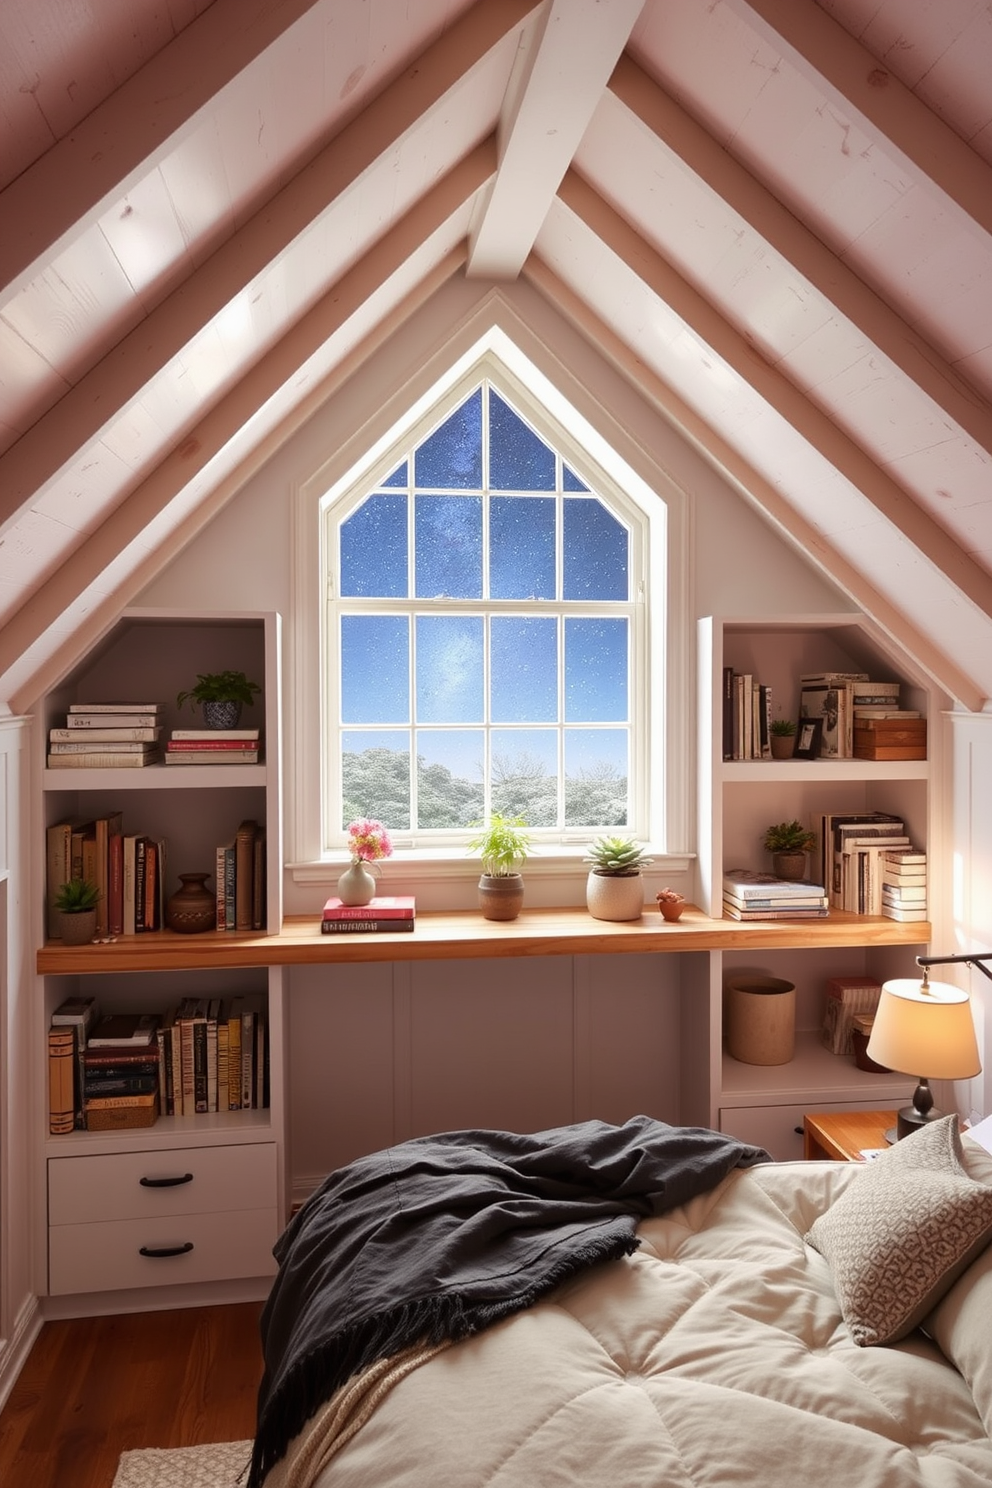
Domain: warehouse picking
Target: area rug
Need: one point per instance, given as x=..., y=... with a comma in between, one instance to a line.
x=220, y=1465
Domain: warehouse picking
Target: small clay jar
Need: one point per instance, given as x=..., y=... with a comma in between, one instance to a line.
x=192, y=908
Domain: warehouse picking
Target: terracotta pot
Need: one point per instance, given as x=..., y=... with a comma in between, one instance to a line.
x=192, y=908
x=789, y=865
x=670, y=909
x=501, y=897
x=782, y=745
x=357, y=884
x=615, y=896
x=77, y=929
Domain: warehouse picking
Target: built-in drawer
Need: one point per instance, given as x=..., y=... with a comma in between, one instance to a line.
x=779, y=1129
x=153, y=1185
x=169, y=1251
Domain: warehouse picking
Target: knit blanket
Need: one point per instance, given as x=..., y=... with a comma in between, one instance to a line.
x=438, y=1237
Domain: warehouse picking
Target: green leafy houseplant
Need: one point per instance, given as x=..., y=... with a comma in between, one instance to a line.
x=790, y=837
x=77, y=896
x=220, y=687
x=503, y=845
x=617, y=857
x=782, y=728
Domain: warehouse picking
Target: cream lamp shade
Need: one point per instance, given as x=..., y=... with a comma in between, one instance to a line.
x=926, y=1029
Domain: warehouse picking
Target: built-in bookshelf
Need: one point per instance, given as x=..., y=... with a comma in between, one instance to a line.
x=215, y=1179
x=739, y=798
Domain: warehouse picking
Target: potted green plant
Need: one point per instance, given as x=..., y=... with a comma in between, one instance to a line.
x=782, y=734
x=614, y=889
x=789, y=842
x=503, y=845
x=75, y=905
x=222, y=695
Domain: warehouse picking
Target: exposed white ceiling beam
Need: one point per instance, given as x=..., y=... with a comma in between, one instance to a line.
x=929, y=147
x=82, y=412
x=226, y=419
x=135, y=125
x=816, y=427
x=564, y=74
x=800, y=247
x=753, y=486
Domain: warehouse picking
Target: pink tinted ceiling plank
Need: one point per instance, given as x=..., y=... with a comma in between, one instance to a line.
x=854, y=300
x=569, y=62
x=225, y=420
x=817, y=43
x=789, y=401
x=87, y=407
x=134, y=125
x=711, y=444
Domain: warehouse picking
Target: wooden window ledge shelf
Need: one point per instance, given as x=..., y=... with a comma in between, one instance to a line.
x=465, y=934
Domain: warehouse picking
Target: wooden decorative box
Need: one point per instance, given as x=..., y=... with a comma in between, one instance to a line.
x=890, y=739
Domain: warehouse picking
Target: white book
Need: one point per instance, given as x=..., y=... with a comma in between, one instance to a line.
x=105, y=735
x=115, y=707
x=218, y=734
x=83, y=722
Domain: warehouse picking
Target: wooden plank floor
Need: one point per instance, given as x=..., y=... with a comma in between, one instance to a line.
x=95, y=1387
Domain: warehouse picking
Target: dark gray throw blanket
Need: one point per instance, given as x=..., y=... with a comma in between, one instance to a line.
x=440, y=1236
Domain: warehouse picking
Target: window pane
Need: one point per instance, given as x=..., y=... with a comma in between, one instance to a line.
x=448, y=539
x=449, y=669
x=596, y=552
x=518, y=459
x=596, y=671
x=373, y=549
x=570, y=481
x=451, y=457
x=522, y=547
x=596, y=771
x=398, y=477
x=525, y=774
x=375, y=669
x=449, y=777
x=523, y=670
x=375, y=777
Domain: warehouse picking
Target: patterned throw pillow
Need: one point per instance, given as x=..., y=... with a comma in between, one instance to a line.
x=900, y=1237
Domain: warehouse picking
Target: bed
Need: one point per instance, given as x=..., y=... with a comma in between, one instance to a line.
x=636, y=1306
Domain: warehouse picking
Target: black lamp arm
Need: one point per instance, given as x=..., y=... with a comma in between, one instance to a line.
x=977, y=961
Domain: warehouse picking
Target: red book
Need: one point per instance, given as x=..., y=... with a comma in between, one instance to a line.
x=390, y=907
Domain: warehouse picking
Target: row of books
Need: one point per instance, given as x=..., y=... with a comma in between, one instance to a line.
x=850, y=706
x=90, y=848
x=386, y=913
x=747, y=712
x=122, y=1071
x=240, y=879
x=107, y=736
x=866, y=858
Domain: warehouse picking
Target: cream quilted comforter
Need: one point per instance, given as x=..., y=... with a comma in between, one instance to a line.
x=714, y=1356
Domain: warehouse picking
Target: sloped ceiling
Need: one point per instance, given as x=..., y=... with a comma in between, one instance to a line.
x=775, y=216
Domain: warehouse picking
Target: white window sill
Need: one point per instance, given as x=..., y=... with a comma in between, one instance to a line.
x=439, y=865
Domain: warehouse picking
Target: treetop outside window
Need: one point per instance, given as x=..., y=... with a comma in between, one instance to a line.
x=484, y=625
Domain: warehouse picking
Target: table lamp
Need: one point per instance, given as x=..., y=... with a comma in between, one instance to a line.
x=923, y=1025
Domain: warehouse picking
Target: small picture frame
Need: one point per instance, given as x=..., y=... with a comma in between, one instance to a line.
x=809, y=736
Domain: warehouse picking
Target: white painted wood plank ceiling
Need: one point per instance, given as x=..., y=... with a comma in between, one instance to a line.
x=777, y=213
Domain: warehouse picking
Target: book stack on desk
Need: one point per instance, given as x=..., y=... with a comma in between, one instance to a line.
x=762, y=896
x=388, y=913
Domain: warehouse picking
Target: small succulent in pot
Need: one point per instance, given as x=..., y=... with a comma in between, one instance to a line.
x=74, y=908
x=671, y=903
x=617, y=857
x=790, y=836
x=782, y=728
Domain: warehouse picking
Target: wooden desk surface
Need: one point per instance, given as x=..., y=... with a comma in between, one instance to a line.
x=841, y=1135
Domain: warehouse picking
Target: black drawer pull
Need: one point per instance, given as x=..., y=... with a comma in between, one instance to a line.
x=166, y=1182
x=160, y=1252
x=799, y=1130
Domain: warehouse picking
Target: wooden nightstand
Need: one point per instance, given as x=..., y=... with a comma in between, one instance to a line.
x=842, y=1134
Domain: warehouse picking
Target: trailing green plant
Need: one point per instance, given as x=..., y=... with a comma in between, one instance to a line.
x=220, y=687
x=504, y=845
x=782, y=728
x=790, y=836
x=617, y=857
x=77, y=896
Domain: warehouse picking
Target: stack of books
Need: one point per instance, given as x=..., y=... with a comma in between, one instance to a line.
x=214, y=747
x=854, y=846
x=121, y=1088
x=107, y=736
x=213, y=1056
x=904, y=885
x=387, y=913
x=762, y=896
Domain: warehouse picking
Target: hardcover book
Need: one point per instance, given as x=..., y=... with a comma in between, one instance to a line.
x=383, y=907
x=125, y=1030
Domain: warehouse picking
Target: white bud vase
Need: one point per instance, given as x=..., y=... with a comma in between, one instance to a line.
x=356, y=885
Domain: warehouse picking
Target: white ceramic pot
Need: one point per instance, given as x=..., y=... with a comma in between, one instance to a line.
x=611, y=896
x=357, y=885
